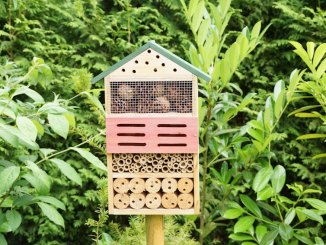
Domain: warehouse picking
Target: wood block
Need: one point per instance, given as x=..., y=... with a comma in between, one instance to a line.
x=169, y=185
x=121, y=201
x=153, y=185
x=153, y=200
x=185, y=185
x=137, y=185
x=185, y=201
x=121, y=185
x=169, y=200
x=137, y=200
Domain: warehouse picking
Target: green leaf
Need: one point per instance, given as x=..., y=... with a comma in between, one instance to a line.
x=289, y=216
x=310, y=214
x=261, y=179
x=311, y=136
x=243, y=224
x=198, y=16
x=305, y=108
x=258, y=135
x=3, y=240
x=4, y=110
x=316, y=203
x=303, y=239
x=310, y=49
x=248, y=243
x=203, y=30
x=322, y=155
x=265, y=193
x=278, y=178
x=67, y=170
x=51, y=200
x=39, y=180
x=8, y=176
x=279, y=91
x=8, y=137
x=91, y=158
x=321, y=68
x=251, y=205
x=30, y=93
x=319, y=241
x=233, y=213
x=269, y=238
x=261, y=230
x=319, y=54
x=27, y=127
x=241, y=237
x=14, y=219
x=59, y=124
x=285, y=231
x=50, y=212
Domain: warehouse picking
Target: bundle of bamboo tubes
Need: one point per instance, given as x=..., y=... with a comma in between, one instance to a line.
x=152, y=163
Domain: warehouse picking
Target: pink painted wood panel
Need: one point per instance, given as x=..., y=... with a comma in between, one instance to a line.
x=152, y=135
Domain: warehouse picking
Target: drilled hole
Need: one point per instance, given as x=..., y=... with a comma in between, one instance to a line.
x=133, y=201
x=155, y=70
x=181, y=200
x=172, y=203
x=157, y=56
x=123, y=70
x=189, y=202
x=163, y=64
x=175, y=69
x=155, y=198
x=149, y=51
x=184, y=189
x=139, y=199
x=150, y=202
x=136, y=61
x=133, y=71
x=186, y=182
x=120, y=200
x=146, y=62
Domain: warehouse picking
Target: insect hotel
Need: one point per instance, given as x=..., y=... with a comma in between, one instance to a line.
x=152, y=133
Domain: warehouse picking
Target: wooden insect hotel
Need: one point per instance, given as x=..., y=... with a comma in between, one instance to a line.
x=152, y=133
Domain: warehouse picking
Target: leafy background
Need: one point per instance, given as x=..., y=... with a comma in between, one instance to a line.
x=260, y=182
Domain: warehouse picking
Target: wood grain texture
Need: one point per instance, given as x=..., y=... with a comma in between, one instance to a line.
x=154, y=230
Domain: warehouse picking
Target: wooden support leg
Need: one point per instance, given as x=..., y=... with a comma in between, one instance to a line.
x=154, y=229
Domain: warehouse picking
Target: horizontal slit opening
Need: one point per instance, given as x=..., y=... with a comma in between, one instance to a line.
x=172, y=145
x=131, y=134
x=172, y=135
x=132, y=144
x=171, y=125
x=130, y=125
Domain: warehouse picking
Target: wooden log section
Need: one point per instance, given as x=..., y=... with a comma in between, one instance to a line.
x=121, y=201
x=121, y=185
x=169, y=200
x=137, y=185
x=137, y=200
x=185, y=185
x=153, y=185
x=185, y=201
x=153, y=200
x=169, y=185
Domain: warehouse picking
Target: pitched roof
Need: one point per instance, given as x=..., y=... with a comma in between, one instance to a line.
x=151, y=44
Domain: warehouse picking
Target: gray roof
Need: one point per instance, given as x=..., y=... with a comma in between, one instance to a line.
x=151, y=44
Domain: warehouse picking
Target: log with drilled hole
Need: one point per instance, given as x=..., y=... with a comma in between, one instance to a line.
x=185, y=201
x=121, y=201
x=169, y=200
x=153, y=200
x=169, y=185
x=121, y=185
x=137, y=185
x=185, y=185
x=137, y=200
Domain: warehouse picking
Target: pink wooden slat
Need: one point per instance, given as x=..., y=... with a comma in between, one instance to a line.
x=151, y=138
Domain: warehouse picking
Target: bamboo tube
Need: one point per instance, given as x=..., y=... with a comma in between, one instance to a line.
x=153, y=200
x=137, y=200
x=178, y=159
x=121, y=185
x=116, y=155
x=128, y=161
x=169, y=185
x=160, y=162
x=169, y=200
x=143, y=170
x=115, y=168
x=138, y=164
x=137, y=185
x=158, y=156
x=190, y=169
x=121, y=201
x=176, y=166
x=155, y=162
x=126, y=168
x=150, y=159
x=123, y=156
x=142, y=160
x=170, y=165
x=173, y=159
x=149, y=169
x=190, y=162
x=129, y=156
x=153, y=185
x=136, y=170
x=165, y=156
x=156, y=170
x=121, y=162
x=183, y=164
x=185, y=201
x=189, y=155
x=165, y=169
x=185, y=185
x=136, y=158
x=121, y=169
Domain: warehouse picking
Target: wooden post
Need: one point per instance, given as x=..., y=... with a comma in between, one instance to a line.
x=154, y=229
